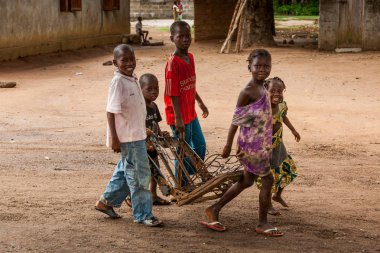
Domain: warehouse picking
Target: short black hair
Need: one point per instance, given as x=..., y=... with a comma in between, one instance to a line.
x=147, y=78
x=258, y=53
x=268, y=81
x=139, y=18
x=122, y=48
x=177, y=24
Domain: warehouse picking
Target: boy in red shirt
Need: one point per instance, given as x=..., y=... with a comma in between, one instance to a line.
x=180, y=94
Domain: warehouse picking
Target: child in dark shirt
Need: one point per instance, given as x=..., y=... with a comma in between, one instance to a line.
x=150, y=89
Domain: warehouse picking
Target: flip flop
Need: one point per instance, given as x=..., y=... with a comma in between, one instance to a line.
x=272, y=232
x=110, y=212
x=214, y=225
x=128, y=202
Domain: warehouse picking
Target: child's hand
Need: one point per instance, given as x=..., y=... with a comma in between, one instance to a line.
x=149, y=132
x=296, y=135
x=115, y=145
x=179, y=126
x=204, y=110
x=150, y=147
x=165, y=133
x=226, y=151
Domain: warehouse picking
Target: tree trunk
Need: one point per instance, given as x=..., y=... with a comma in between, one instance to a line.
x=259, y=26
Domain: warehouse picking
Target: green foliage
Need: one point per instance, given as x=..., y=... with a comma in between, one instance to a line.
x=297, y=9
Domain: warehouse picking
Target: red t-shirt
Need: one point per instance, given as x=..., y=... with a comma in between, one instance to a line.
x=180, y=82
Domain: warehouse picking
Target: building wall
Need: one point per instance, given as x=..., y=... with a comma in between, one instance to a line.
x=159, y=9
x=30, y=27
x=212, y=18
x=332, y=19
x=371, y=27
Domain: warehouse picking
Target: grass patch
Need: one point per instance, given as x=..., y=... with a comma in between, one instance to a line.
x=285, y=17
x=165, y=29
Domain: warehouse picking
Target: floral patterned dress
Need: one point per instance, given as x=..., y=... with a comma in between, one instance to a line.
x=283, y=167
x=255, y=137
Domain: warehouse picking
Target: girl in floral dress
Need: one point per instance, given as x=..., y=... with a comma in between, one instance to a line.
x=282, y=165
x=253, y=116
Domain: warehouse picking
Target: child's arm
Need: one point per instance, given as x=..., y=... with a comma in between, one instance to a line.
x=201, y=105
x=111, y=125
x=244, y=98
x=291, y=127
x=230, y=138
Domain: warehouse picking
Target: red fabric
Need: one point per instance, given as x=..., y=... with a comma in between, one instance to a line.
x=180, y=82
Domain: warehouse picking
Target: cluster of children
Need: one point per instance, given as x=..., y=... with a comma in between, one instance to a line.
x=132, y=113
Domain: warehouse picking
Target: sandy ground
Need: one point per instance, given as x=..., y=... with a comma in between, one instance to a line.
x=54, y=164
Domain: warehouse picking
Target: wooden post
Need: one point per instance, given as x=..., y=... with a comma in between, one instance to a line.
x=240, y=34
x=236, y=22
x=237, y=7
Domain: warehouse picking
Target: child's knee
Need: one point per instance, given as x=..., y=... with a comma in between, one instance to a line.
x=246, y=182
x=268, y=180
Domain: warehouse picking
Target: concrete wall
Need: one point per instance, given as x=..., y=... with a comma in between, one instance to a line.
x=159, y=9
x=212, y=18
x=371, y=27
x=349, y=23
x=31, y=27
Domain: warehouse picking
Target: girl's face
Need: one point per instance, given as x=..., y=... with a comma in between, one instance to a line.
x=276, y=91
x=260, y=68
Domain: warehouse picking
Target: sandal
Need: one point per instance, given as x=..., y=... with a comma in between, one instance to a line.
x=272, y=232
x=110, y=212
x=214, y=225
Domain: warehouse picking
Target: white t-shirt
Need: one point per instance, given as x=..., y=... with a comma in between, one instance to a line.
x=127, y=102
x=138, y=27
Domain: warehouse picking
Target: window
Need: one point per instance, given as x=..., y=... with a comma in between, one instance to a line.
x=71, y=5
x=110, y=5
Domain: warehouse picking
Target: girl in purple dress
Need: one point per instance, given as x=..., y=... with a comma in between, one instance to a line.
x=253, y=116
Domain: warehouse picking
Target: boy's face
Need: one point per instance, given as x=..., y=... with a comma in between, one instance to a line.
x=260, y=68
x=276, y=92
x=150, y=91
x=181, y=37
x=125, y=62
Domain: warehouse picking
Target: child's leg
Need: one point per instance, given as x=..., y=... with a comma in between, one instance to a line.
x=138, y=174
x=197, y=140
x=264, y=203
x=153, y=187
x=277, y=197
x=245, y=181
x=117, y=189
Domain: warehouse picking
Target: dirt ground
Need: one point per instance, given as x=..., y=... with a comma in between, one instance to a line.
x=54, y=164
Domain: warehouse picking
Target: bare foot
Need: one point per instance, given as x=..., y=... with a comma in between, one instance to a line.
x=273, y=211
x=280, y=200
x=212, y=214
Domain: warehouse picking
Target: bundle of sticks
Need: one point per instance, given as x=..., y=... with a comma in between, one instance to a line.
x=237, y=23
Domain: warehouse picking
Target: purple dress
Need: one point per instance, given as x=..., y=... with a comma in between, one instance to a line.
x=255, y=137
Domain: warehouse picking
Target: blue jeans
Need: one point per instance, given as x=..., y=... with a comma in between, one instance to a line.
x=194, y=137
x=131, y=176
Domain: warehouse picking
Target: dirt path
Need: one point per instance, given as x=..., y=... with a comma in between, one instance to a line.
x=54, y=164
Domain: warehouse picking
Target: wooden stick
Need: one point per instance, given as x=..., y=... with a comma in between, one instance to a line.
x=240, y=34
x=237, y=7
x=229, y=37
